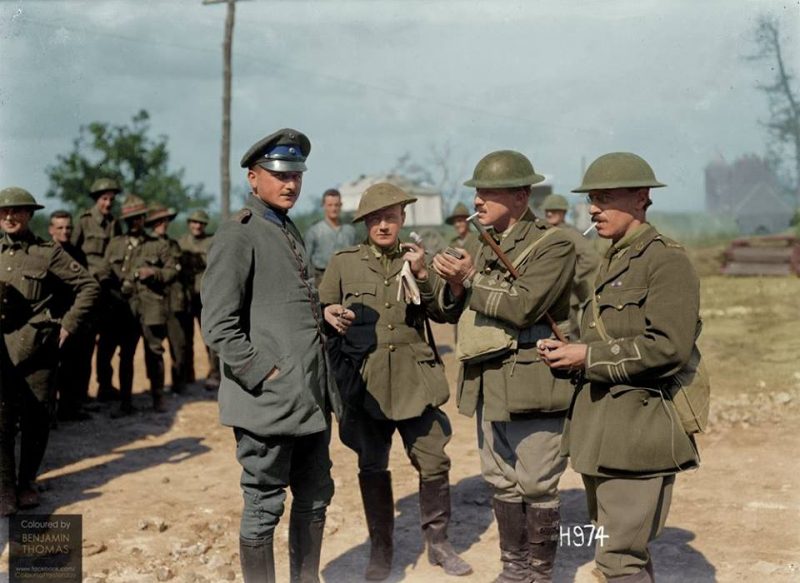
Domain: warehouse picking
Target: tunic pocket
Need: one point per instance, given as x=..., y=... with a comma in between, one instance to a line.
x=622, y=310
x=94, y=245
x=531, y=385
x=361, y=297
x=642, y=433
x=431, y=374
x=33, y=284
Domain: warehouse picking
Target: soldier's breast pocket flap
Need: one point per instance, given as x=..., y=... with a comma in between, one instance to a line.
x=32, y=287
x=358, y=293
x=94, y=244
x=620, y=298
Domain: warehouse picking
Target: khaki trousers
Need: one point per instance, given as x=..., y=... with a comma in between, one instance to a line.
x=632, y=513
x=520, y=459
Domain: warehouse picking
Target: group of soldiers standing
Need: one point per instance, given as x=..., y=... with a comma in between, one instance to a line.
x=93, y=284
x=355, y=341
x=553, y=365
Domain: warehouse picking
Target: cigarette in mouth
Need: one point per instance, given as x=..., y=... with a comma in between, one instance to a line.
x=469, y=218
x=589, y=230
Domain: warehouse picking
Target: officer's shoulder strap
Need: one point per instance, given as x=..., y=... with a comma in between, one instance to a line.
x=353, y=249
x=243, y=216
x=667, y=242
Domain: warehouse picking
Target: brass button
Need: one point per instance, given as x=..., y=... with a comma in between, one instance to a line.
x=390, y=326
x=8, y=268
x=10, y=252
x=391, y=348
x=592, y=325
x=385, y=282
x=357, y=294
x=487, y=270
x=387, y=305
x=619, y=306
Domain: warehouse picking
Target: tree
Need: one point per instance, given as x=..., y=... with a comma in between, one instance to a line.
x=783, y=126
x=127, y=153
x=437, y=170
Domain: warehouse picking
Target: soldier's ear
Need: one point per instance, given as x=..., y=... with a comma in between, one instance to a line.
x=252, y=179
x=643, y=199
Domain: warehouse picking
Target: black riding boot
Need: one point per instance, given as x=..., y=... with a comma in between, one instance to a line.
x=376, y=494
x=305, y=546
x=434, y=511
x=258, y=563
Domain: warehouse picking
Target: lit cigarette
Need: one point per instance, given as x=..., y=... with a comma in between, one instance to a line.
x=469, y=218
x=589, y=230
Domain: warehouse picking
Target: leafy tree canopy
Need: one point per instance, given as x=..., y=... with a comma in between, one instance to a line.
x=128, y=154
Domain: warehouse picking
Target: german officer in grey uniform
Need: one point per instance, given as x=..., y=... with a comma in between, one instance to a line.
x=261, y=314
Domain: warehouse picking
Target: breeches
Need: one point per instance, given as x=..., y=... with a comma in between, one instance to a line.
x=520, y=459
x=270, y=465
x=424, y=439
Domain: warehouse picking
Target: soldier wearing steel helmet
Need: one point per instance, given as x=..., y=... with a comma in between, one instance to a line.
x=587, y=261
x=262, y=315
x=158, y=220
x=458, y=219
x=397, y=379
x=138, y=270
x=624, y=435
x=93, y=231
x=195, y=244
x=33, y=275
x=520, y=404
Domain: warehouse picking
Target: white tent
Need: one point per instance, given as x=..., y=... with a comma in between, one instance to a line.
x=427, y=211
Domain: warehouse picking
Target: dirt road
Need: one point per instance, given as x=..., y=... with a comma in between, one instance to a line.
x=160, y=499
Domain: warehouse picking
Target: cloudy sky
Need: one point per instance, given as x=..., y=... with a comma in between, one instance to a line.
x=562, y=81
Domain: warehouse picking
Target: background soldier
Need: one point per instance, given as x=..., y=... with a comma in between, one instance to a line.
x=587, y=261
x=139, y=269
x=403, y=380
x=33, y=273
x=261, y=313
x=624, y=435
x=92, y=233
x=74, y=368
x=326, y=237
x=194, y=246
x=158, y=219
x=458, y=219
x=520, y=405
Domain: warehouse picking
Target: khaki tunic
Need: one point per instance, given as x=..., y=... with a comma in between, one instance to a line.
x=36, y=273
x=194, y=259
x=178, y=292
x=470, y=240
x=648, y=296
x=92, y=234
x=586, y=263
x=517, y=381
x=148, y=298
x=398, y=366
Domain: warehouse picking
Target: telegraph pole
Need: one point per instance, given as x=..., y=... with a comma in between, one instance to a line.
x=227, y=75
